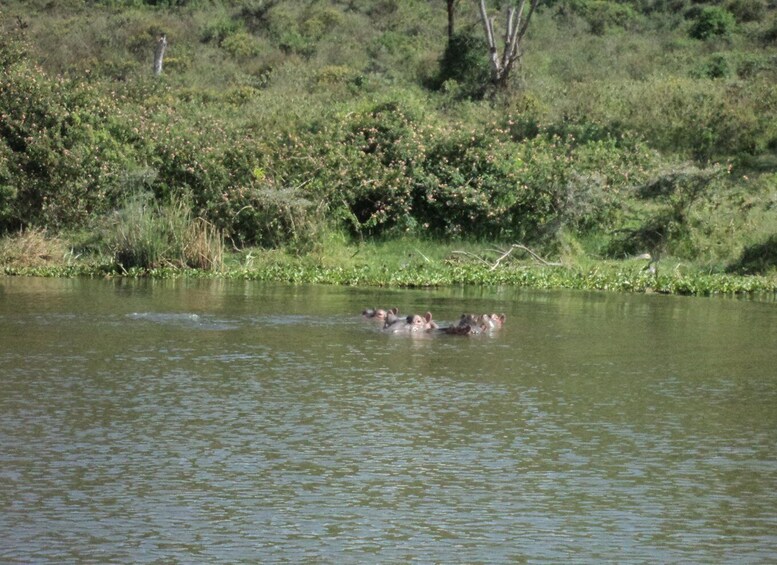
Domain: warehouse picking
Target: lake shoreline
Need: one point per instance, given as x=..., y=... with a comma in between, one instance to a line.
x=612, y=276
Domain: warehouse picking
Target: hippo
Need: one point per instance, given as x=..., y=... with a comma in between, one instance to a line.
x=472, y=324
x=464, y=329
x=498, y=320
x=411, y=324
x=379, y=313
x=469, y=324
x=487, y=321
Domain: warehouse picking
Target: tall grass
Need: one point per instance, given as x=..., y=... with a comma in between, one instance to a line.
x=148, y=235
x=203, y=246
x=33, y=248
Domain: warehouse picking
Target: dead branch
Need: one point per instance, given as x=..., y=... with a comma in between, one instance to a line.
x=422, y=255
x=536, y=257
x=505, y=254
x=471, y=256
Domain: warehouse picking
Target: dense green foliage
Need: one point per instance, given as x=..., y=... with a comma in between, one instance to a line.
x=630, y=127
x=713, y=21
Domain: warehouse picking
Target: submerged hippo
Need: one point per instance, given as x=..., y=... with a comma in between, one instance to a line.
x=498, y=320
x=472, y=324
x=468, y=324
x=379, y=313
x=410, y=324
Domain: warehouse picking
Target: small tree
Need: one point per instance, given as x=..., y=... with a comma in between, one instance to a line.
x=464, y=61
x=517, y=25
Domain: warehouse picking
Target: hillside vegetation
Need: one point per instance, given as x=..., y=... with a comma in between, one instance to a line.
x=647, y=126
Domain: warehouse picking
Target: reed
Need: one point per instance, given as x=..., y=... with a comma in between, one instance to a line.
x=203, y=246
x=32, y=247
x=149, y=236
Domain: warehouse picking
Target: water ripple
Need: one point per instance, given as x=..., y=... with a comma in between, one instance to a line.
x=244, y=436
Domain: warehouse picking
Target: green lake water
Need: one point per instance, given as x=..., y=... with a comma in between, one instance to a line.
x=238, y=422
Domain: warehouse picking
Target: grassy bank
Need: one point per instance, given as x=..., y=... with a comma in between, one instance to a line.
x=410, y=263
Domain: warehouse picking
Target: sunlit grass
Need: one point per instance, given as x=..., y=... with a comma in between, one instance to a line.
x=416, y=262
x=33, y=248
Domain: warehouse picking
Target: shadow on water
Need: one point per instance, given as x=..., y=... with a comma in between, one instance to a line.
x=234, y=421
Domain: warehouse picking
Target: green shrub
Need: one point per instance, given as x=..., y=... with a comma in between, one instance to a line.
x=321, y=21
x=465, y=61
x=602, y=15
x=338, y=74
x=659, y=222
x=240, y=45
x=751, y=65
x=255, y=13
x=716, y=66
x=283, y=28
x=219, y=29
x=769, y=36
x=689, y=117
x=712, y=21
x=63, y=149
x=8, y=192
x=159, y=3
x=747, y=10
x=385, y=145
x=13, y=42
x=388, y=171
x=467, y=186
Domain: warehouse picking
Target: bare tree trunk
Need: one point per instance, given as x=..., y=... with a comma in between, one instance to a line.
x=515, y=30
x=159, y=54
x=451, y=15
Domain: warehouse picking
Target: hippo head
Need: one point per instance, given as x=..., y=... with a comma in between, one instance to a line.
x=417, y=323
x=380, y=313
x=498, y=320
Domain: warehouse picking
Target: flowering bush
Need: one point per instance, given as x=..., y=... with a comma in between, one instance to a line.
x=60, y=148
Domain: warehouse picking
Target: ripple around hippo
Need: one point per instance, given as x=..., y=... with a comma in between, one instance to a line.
x=468, y=324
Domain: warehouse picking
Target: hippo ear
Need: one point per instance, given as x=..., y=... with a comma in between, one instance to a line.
x=428, y=317
x=394, y=311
